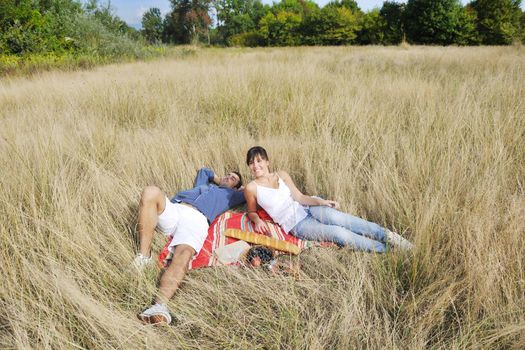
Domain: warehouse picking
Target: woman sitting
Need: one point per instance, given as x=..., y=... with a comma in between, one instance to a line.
x=309, y=218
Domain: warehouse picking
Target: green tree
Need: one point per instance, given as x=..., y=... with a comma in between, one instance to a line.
x=37, y=26
x=393, y=29
x=105, y=14
x=335, y=24
x=434, y=21
x=189, y=21
x=372, y=29
x=285, y=25
x=349, y=4
x=238, y=16
x=311, y=28
x=60, y=19
x=300, y=7
x=22, y=27
x=498, y=21
x=281, y=29
x=467, y=33
x=341, y=25
x=152, y=25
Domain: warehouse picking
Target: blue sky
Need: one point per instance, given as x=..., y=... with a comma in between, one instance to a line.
x=131, y=10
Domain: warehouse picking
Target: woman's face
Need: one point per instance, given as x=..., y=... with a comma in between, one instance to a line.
x=258, y=166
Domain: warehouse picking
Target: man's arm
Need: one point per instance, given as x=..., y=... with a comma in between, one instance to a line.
x=204, y=177
x=216, y=180
x=237, y=198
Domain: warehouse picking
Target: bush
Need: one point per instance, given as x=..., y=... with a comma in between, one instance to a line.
x=92, y=37
x=26, y=36
x=523, y=27
x=250, y=39
x=8, y=63
x=3, y=45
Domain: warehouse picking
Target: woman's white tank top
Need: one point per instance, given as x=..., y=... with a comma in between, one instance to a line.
x=279, y=204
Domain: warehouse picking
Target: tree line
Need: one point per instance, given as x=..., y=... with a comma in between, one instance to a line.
x=340, y=22
x=68, y=27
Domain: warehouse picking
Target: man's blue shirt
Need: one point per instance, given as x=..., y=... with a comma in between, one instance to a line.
x=210, y=199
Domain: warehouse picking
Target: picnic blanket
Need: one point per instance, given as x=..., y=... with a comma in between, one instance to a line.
x=217, y=238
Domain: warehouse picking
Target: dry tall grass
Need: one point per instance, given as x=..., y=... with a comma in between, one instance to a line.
x=429, y=141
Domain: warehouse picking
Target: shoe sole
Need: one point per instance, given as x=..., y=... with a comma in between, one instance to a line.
x=156, y=320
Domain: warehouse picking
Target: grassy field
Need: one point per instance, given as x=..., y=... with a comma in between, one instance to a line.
x=428, y=141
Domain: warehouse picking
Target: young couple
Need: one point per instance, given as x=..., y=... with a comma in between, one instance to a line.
x=186, y=218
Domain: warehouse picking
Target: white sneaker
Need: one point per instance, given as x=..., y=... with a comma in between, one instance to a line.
x=156, y=314
x=397, y=241
x=141, y=261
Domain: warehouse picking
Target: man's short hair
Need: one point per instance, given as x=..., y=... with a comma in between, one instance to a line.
x=239, y=184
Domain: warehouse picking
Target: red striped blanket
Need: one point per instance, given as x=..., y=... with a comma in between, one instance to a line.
x=217, y=239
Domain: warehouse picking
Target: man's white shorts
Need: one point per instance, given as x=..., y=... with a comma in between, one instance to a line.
x=185, y=224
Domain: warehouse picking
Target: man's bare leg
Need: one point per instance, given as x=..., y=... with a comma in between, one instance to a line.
x=169, y=283
x=174, y=274
x=152, y=204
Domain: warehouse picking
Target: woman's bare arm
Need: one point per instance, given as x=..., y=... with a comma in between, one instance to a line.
x=302, y=198
x=250, y=193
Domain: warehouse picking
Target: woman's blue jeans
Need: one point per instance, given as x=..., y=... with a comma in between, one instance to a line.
x=327, y=224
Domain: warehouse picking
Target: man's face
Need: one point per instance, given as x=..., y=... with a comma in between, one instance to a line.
x=231, y=180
